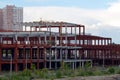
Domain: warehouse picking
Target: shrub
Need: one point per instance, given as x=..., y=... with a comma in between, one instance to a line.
x=97, y=73
x=87, y=65
x=118, y=71
x=26, y=72
x=33, y=67
x=3, y=78
x=43, y=73
x=58, y=74
x=111, y=70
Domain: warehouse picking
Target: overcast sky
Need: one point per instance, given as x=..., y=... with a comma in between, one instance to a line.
x=101, y=17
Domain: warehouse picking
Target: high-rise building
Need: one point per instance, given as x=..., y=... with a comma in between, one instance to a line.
x=1, y=18
x=12, y=17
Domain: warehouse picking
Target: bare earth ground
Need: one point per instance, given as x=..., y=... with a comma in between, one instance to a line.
x=108, y=77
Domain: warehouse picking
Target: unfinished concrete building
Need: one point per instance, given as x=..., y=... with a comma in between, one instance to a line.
x=48, y=44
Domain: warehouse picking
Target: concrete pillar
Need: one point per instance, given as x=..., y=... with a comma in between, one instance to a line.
x=66, y=54
x=73, y=65
x=0, y=67
x=55, y=53
x=16, y=67
x=71, y=30
x=39, y=28
x=55, y=65
x=39, y=40
x=50, y=59
x=24, y=57
x=44, y=57
x=45, y=38
x=91, y=63
x=103, y=59
x=0, y=39
x=79, y=30
x=82, y=64
x=83, y=30
x=37, y=64
x=61, y=54
x=0, y=59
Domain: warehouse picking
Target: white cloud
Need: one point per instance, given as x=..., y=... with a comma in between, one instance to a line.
x=94, y=20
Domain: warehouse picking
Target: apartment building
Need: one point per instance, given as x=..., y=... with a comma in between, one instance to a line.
x=11, y=17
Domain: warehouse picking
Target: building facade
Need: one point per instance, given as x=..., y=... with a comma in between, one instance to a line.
x=47, y=49
x=12, y=17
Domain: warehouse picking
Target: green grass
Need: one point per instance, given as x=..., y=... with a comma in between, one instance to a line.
x=61, y=73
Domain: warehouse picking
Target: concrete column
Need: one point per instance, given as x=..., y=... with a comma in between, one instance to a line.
x=101, y=41
x=55, y=40
x=98, y=42
x=71, y=30
x=39, y=40
x=44, y=57
x=103, y=59
x=16, y=67
x=16, y=58
x=91, y=63
x=79, y=30
x=73, y=65
x=38, y=57
x=55, y=53
x=66, y=35
x=45, y=38
x=24, y=57
x=0, y=53
x=75, y=36
x=0, y=39
x=66, y=54
x=104, y=41
x=39, y=28
x=61, y=54
x=37, y=65
x=55, y=65
x=0, y=67
x=82, y=64
x=83, y=30
x=50, y=59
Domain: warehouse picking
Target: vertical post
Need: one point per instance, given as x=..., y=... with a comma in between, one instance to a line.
x=38, y=57
x=104, y=41
x=79, y=30
x=83, y=30
x=73, y=65
x=75, y=45
x=44, y=57
x=71, y=30
x=66, y=52
x=0, y=53
x=82, y=64
x=103, y=60
x=16, y=52
x=31, y=55
x=98, y=42
x=10, y=66
x=45, y=38
x=50, y=59
x=26, y=52
x=39, y=28
x=60, y=32
x=16, y=57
